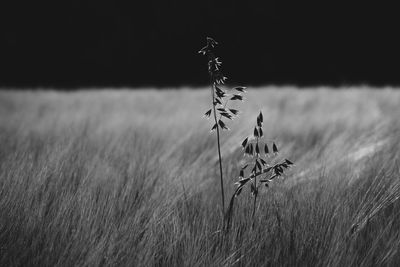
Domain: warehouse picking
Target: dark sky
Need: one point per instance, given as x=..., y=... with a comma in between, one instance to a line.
x=137, y=43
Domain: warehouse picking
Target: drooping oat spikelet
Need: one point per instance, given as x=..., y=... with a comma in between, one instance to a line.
x=259, y=158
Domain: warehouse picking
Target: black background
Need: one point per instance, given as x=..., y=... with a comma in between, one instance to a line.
x=69, y=44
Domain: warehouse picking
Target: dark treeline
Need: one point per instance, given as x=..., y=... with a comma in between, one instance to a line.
x=113, y=43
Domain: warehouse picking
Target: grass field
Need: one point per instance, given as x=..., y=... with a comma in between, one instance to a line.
x=131, y=178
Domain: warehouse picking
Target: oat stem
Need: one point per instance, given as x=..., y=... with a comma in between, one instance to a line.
x=219, y=148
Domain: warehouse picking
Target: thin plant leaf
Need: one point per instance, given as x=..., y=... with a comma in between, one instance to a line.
x=242, y=182
x=238, y=191
x=237, y=97
x=258, y=164
x=207, y=114
x=255, y=132
x=240, y=89
x=234, y=111
x=288, y=162
x=217, y=101
x=266, y=149
x=220, y=93
x=244, y=143
x=222, y=124
x=226, y=115
x=247, y=151
x=274, y=148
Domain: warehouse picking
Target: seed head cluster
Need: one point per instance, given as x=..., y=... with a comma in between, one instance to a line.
x=260, y=152
x=220, y=96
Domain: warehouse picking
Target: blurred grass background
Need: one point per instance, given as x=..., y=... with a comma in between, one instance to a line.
x=111, y=178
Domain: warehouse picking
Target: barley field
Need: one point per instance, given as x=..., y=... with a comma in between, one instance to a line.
x=131, y=178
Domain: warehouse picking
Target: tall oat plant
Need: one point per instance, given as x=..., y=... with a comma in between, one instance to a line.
x=219, y=111
x=261, y=163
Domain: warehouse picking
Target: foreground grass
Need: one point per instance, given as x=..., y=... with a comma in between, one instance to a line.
x=120, y=178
